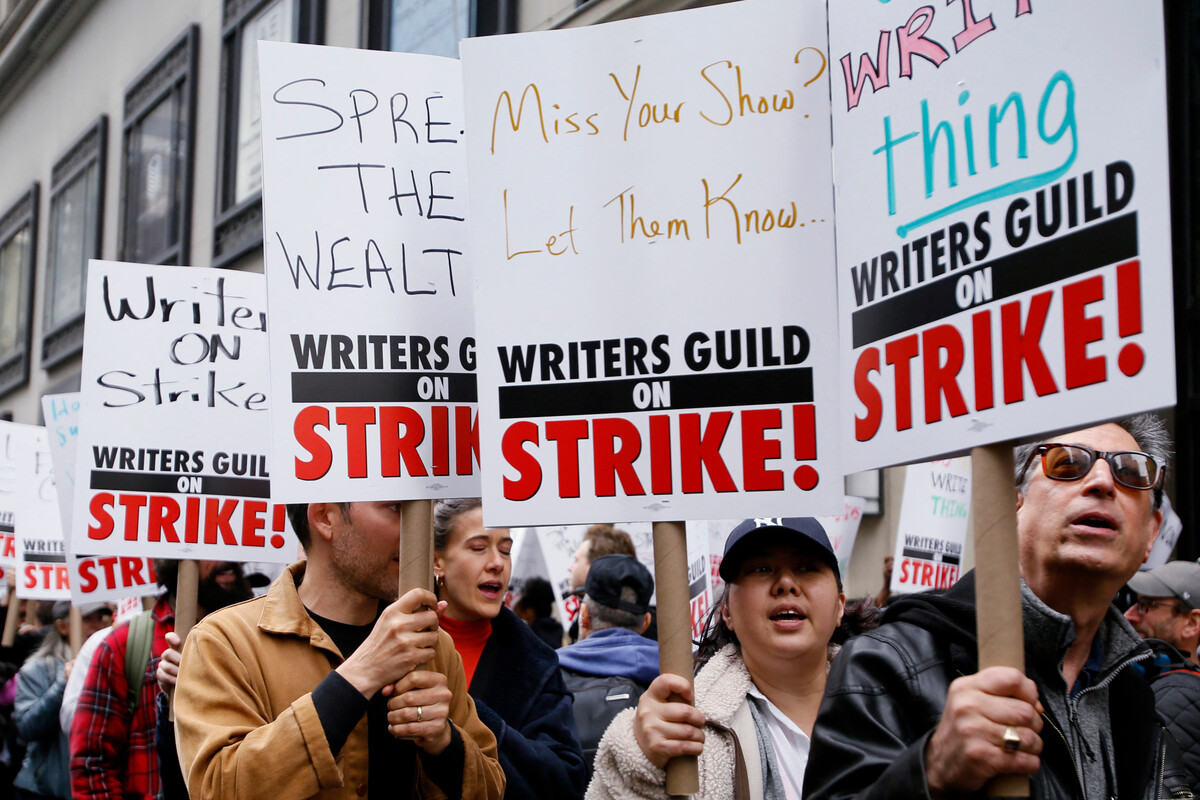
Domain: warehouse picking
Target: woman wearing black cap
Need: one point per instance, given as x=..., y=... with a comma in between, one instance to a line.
x=764, y=653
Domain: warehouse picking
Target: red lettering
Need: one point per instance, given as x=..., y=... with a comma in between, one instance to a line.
x=942, y=379
x=440, y=460
x=87, y=577
x=131, y=572
x=466, y=439
x=253, y=521
x=355, y=420
x=757, y=449
x=567, y=433
x=305, y=430
x=899, y=355
x=98, y=506
x=31, y=580
x=529, y=471
x=865, y=427
x=107, y=564
x=164, y=511
x=1022, y=348
x=1080, y=330
x=612, y=462
x=699, y=453
x=217, y=514
x=660, y=454
x=981, y=328
x=191, y=523
x=132, y=503
x=394, y=447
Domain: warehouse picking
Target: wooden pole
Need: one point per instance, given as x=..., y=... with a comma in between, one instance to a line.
x=998, y=620
x=185, y=597
x=76, y=636
x=12, y=620
x=416, y=545
x=675, y=633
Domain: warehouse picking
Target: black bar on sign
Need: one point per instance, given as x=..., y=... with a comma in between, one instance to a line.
x=166, y=483
x=48, y=558
x=931, y=555
x=762, y=387
x=381, y=387
x=1041, y=265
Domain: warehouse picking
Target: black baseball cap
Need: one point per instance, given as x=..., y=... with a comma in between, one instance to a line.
x=610, y=574
x=804, y=532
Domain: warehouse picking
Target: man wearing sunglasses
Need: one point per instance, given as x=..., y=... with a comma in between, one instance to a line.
x=907, y=711
x=1167, y=614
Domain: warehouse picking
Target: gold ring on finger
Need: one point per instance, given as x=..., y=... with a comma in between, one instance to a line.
x=421, y=717
x=1012, y=740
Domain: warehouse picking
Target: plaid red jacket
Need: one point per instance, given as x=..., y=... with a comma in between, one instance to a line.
x=112, y=755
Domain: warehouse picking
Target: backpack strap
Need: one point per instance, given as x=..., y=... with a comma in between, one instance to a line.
x=137, y=656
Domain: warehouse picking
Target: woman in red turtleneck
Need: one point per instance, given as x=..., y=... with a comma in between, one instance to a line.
x=512, y=675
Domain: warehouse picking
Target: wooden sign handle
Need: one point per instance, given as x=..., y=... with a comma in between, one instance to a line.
x=416, y=545
x=11, y=619
x=998, y=620
x=675, y=633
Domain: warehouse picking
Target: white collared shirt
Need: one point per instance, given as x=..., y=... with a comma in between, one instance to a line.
x=791, y=746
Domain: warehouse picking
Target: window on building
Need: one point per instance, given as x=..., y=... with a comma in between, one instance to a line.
x=160, y=110
x=434, y=27
x=238, y=226
x=76, y=212
x=18, y=234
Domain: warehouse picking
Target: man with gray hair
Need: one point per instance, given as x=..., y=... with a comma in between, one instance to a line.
x=612, y=663
x=907, y=711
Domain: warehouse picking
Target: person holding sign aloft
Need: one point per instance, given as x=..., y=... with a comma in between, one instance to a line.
x=273, y=693
x=513, y=675
x=908, y=711
x=765, y=651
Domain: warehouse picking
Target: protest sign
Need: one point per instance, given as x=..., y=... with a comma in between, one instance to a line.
x=91, y=578
x=9, y=454
x=172, y=458
x=369, y=286
x=1003, y=236
x=934, y=514
x=1168, y=536
x=651, y=231
x=40, y=572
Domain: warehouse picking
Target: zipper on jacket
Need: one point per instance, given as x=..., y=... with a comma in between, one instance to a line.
x=1071, y=754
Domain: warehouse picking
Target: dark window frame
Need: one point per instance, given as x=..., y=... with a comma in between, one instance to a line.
x=64, y=339
x=238, y=227
x=15, y=367
x=175, y=71
x=487, y=17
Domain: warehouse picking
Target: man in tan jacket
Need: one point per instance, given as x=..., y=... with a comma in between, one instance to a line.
x=312, y=690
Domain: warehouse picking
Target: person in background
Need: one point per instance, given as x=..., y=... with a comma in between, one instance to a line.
x=97, y=619
x=611, y=665
x=1167, y=615
x=536, y=607
x=764, y=654
x=112, y=748
x=600, y=539
x=512, y=674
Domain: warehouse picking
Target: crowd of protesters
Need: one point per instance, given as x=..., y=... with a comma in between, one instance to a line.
x=333, y=684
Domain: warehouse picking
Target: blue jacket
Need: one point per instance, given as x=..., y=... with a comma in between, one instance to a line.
x=617, y=652
x=46, y=769
x=519, y=694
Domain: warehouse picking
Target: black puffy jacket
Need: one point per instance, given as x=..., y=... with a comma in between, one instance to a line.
x=885, y=695
x=1176, y=685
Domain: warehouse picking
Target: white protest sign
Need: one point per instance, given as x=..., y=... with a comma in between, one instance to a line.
x=172, y=456
x=91, y=578
x=652, y=237
x=12, y=436
x=1168, y=536
x=41, y=567
x=1003, y=236
x=372, y=348
x=934, y=514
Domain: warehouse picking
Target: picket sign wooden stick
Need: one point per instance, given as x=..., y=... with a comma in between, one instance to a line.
x=10, y=620
x=675, y=633
x=416, y=545
x=76, y=636
x=185, y=607
x=998, y=618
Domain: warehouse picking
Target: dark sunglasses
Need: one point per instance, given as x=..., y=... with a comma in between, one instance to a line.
x=1070, y=462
